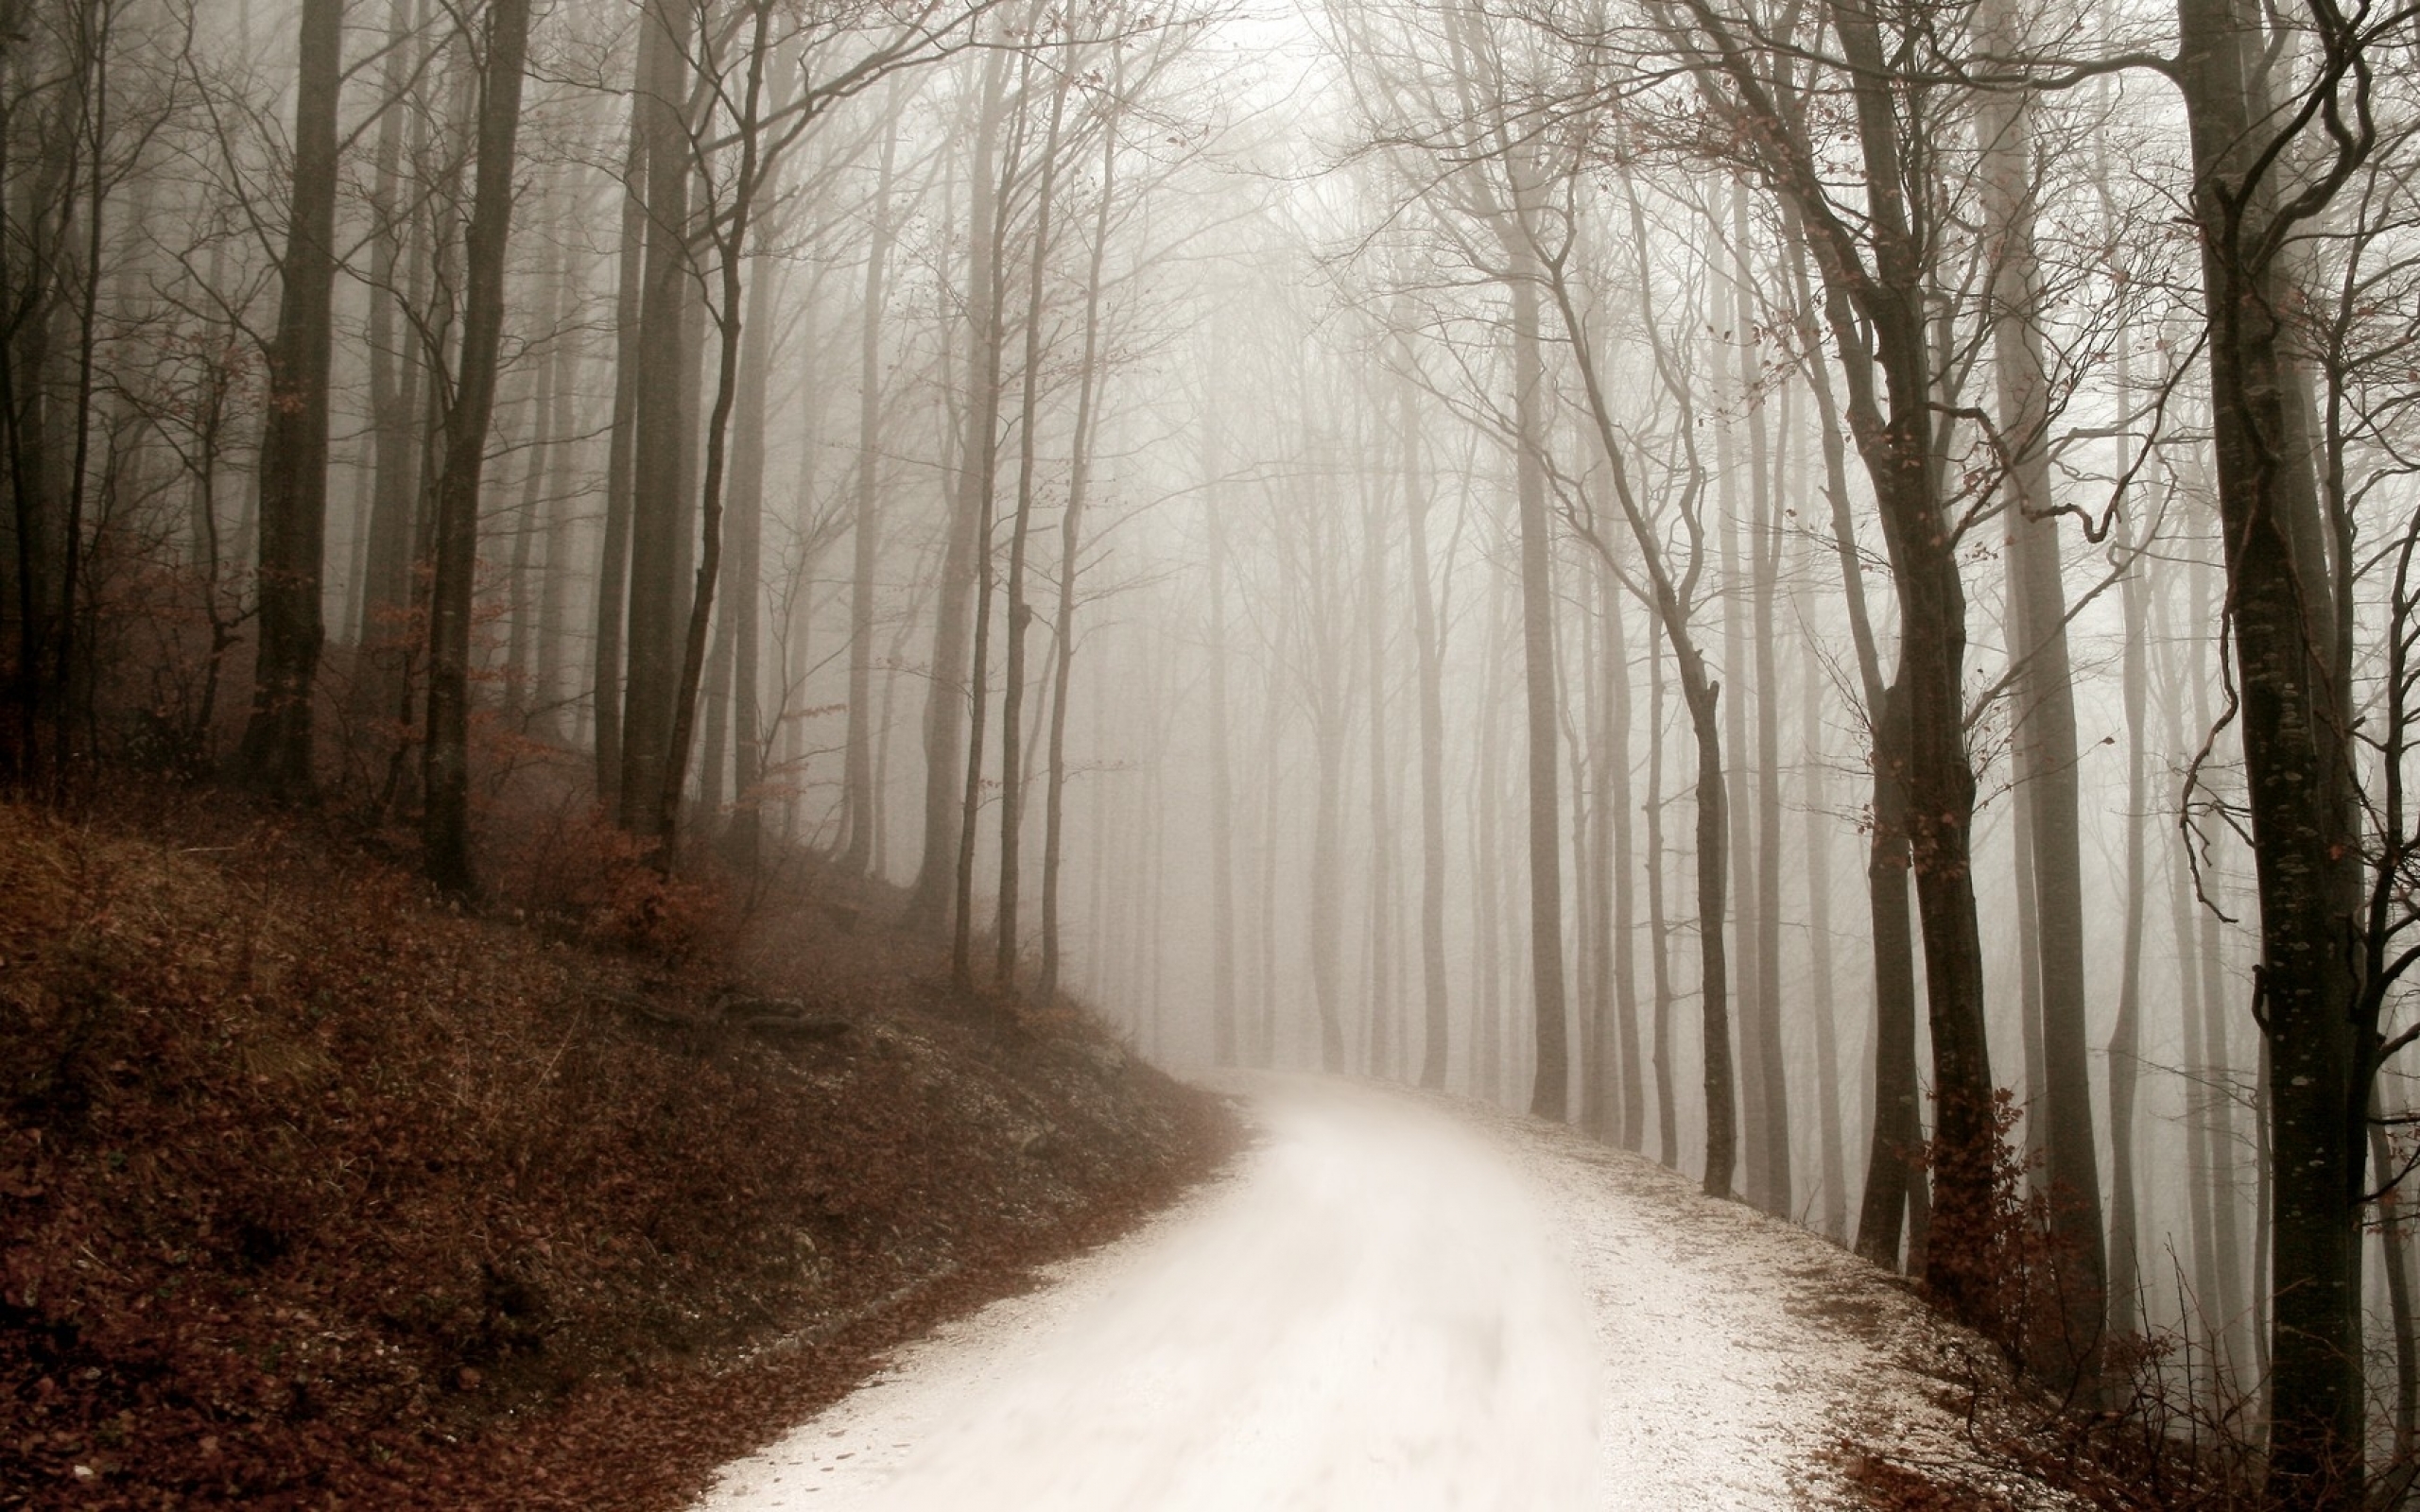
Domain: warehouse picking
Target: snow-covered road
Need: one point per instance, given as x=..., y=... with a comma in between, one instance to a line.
x=1391, y=1303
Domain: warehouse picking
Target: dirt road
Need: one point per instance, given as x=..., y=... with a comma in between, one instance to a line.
x=1393, y=1303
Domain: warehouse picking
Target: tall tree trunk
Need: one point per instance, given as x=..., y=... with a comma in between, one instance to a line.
x=2230, y=1300
x=447, y=774
x=1830, y=1086
x=277, y=748
x=743, y=605
x=1615, y=743
x=555, y=583
x=1384, y=1014
x=1420, y=579
x=1725, y=318
x=983, y=457
x=1894, y=1185
x=730, y=255
x=1549, y=1092
x=1668, y=1138
x=865, y=526
x=1012, y=766
x=948, y=695
x=1487, y=967
x=1062, y=632
x=2295, y=722
x=662, y=418
x=614, y=550
x=2126, y=1034
x=2045, y=755
x=1225, y=1039
x=387, y=568
x=1265, y=897
x=1764, y=553
x=1670, y=599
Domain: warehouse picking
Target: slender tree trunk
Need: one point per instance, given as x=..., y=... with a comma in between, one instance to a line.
x=447, y=774
x=983, y=445
x=555, y=580
x=1012, y=766
x=948, y=695
x=386, y=594
x=865, y=528
x=1224, y=1041
x=1549, y=1092
x=730, y=254
x=1764, y=552
x=1428, y=638
x=2230, y=1299
x=1892, y=1183
x=614, y=557
x=1831, y=1085
x=1700, y=696
x=662, y=421
x=1265, y=935
x=1616, y=796
x=1384, y=1013
x=2126, y=1036
x=1487, y=919
x=1724, y=322
x=2046, y=754
x=1668, y=1138
x=277, y=748
x=1071, y=540
x=743, y=605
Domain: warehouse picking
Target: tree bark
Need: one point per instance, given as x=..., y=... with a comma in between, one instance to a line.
x=2045, y=755
x=1427, y=638
x=446, y=771
x=948, y=696
x=1012, y=690
x=1549, y=1092
x=277, y=751
x=1071, y=539
x=663, y=418
x=613, y=551
x=2295, y=722
x=743, y=606
x=865, y=538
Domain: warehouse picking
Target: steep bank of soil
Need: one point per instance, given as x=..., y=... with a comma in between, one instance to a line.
x=314, y=1192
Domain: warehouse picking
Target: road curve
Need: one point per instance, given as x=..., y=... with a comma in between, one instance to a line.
x=1393, y=1303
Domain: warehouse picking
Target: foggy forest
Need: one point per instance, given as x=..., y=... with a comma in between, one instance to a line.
x=1823, y=593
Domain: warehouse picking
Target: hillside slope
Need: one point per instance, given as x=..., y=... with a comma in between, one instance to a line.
x=314, y=1192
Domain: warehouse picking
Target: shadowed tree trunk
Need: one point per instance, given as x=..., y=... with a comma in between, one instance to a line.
x=2320, y=1019
x=394, y=398
x=277, y=751
x=446, y=776
x=613, y=551
x=663, y=418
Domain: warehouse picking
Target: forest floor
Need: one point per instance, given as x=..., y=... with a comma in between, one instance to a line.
x=317, y=1192
x=1406, y=1303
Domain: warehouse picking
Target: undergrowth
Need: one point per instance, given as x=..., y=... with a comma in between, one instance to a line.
x=316, y=1191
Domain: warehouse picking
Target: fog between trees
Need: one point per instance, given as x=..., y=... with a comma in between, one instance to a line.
x=1743, y=578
